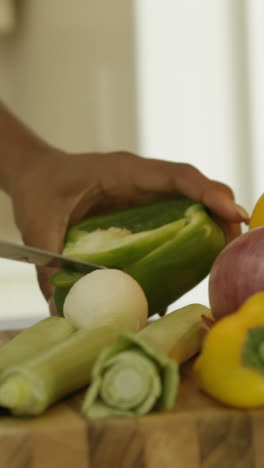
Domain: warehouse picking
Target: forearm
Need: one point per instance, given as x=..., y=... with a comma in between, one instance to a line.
x=18, y=148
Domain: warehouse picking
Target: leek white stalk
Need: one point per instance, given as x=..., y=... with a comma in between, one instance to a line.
x=34, y=340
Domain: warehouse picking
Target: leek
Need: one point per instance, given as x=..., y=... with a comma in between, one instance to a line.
x=140, y=370
x=34, y=340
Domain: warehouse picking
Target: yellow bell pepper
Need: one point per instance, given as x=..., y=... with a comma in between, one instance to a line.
x=257, y=216
x=230, y=367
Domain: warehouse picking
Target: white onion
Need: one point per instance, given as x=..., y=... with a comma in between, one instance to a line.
x=107, y=297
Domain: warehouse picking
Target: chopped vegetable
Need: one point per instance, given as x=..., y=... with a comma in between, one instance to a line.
x=167, y=247
x=108, y=297
x=32, y=386
x=141, y=369
x=231, y=365
x=116, y=247
x=33, y=340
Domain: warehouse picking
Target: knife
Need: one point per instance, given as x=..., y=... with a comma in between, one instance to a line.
x=41, y=257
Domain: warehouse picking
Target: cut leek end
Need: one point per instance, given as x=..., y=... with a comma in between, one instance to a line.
x=16, y=395
x=130, y=378
x=127, y=387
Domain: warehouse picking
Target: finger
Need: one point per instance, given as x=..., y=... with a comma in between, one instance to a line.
x=168, y=177
x=219, y=198
x=52, y=307
x=48, y=235
x=163, y=312
x=43, y=275
x=230, y=230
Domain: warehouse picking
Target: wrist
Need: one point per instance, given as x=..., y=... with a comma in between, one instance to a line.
x=21, y=160
x=22, y=165
x=20, y=150
x=34, y=169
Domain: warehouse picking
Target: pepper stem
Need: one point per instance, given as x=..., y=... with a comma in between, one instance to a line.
x=253, y=349
x=261, y=350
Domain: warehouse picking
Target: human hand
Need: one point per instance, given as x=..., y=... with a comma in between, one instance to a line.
x=60, y=189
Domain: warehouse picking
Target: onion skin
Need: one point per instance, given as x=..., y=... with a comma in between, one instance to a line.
x=237, y=273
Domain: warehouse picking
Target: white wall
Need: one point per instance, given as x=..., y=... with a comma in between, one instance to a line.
x=190, y=80
x=69, y=71
x=193, y=92
x=255, y=40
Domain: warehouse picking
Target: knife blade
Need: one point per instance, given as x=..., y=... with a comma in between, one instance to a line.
x=24, y=253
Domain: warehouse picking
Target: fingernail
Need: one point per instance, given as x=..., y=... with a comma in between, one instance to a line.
x=52, y=307
x=242, y=213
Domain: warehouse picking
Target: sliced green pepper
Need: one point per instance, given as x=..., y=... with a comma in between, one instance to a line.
x=167, y=246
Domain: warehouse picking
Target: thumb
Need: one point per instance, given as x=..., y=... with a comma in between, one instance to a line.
x=47, y=235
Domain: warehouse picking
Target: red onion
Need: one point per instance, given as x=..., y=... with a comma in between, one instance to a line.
x=237, y=273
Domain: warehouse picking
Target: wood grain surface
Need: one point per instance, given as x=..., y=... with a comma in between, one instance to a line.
x=198, y=433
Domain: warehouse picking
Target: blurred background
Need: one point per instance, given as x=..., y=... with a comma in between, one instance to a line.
x=168, y=79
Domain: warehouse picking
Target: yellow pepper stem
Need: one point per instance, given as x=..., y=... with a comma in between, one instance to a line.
x=253, y=350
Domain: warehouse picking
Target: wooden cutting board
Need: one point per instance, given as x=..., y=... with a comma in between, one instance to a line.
x=198, y=433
